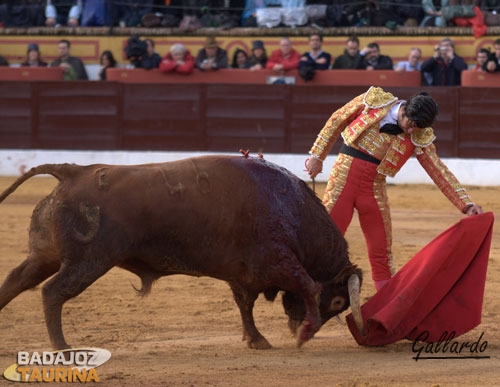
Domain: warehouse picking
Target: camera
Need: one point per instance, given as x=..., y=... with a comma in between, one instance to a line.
x=135, y=50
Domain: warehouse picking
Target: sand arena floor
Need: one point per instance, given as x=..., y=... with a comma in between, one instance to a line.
x=188, y=331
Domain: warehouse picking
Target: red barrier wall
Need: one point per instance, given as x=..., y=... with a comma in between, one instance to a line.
x=225, y=117
x=472, y=78
x=31, y=74
x=327, y=77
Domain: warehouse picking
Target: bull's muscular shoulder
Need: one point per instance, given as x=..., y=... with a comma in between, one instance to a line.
x=376, y=98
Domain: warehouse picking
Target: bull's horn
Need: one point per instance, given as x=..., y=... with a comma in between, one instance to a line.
x=353, y=288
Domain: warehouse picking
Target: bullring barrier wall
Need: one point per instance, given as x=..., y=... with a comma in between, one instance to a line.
x=162, y=115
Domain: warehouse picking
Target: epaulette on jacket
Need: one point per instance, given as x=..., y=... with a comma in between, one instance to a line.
x=376, y=98
x=423, y=138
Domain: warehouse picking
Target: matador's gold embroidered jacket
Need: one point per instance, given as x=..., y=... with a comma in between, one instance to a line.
x=358, y=124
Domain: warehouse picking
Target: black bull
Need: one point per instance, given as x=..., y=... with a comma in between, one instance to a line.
x=241, y=220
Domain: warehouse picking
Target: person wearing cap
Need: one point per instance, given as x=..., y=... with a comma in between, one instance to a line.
x=258, y=59
x=33, y=58
x=177, y=60
x=380, y=133
x=284, y=58
x=211, y=57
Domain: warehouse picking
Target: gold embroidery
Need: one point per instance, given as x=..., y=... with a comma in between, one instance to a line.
x=444, y=178
x=423, y=137
x=376, y=98
x=335, y=125
x=380, y=194
x=350, y=122
x=337, y=180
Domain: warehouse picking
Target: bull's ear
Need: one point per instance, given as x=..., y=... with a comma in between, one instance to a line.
x=346, y=273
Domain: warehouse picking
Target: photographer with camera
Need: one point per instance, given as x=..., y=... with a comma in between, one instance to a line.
x=445, y=67
x=141, y=53
x=135, y=50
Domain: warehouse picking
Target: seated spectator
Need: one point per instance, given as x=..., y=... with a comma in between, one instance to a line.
x=33, y=58
x=249, y=14
x=240, y=59
x=284, y=58
x=481, y=59
x=63, y=12
x=445, y=66
x=433, y=16
x=211, y=57
x=491, y=12
x=493, y=63
x=191, y=13
x=96, y=13
x=258, y=59
x=152, y=59
x=384, y=13
x=373, y=60
x=3, y=61
x=316, y=58
x=413, y=63
x=410, y=12
x=178, y=60
x=351, y=59
x=129, y=13
x=73, y=67
x=24, y=13
x=372, y=13
x=107, y=61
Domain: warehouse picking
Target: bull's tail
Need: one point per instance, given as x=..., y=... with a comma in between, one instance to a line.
x=59, y=171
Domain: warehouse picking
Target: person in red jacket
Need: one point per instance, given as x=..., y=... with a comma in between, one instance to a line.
x=178, y=60
x=285, y=58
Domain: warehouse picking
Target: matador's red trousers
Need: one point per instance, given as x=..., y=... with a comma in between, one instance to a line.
x=356, y=184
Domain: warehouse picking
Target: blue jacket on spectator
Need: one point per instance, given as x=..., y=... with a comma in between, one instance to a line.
x=312, y=61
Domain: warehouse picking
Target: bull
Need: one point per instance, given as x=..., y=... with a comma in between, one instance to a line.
x=242, y=220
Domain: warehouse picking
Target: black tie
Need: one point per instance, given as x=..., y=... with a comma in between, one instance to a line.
x=391, y=129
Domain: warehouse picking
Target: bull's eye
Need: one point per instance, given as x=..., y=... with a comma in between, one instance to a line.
x=337, y=303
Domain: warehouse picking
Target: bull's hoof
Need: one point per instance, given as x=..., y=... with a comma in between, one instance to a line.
x=261, y=343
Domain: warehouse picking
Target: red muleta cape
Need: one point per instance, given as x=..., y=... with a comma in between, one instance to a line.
x=439, y=290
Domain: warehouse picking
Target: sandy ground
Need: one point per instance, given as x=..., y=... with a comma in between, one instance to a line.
x=188, y=331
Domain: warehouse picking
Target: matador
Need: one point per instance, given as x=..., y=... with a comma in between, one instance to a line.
x=380, y=133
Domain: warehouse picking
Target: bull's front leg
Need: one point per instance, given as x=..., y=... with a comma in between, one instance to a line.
x=312, y=320
x=292, y=277
x=251, y=334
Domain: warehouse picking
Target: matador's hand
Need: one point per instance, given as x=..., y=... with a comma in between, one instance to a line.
x=314, y=166
x=474, y=210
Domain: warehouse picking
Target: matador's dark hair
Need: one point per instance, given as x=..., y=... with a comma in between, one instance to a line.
x=422, y=110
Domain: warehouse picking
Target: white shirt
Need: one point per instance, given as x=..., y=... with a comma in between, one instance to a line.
x=392, y=116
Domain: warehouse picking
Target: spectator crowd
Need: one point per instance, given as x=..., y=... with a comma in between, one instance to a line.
x=444, y=67
x=189, y=15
